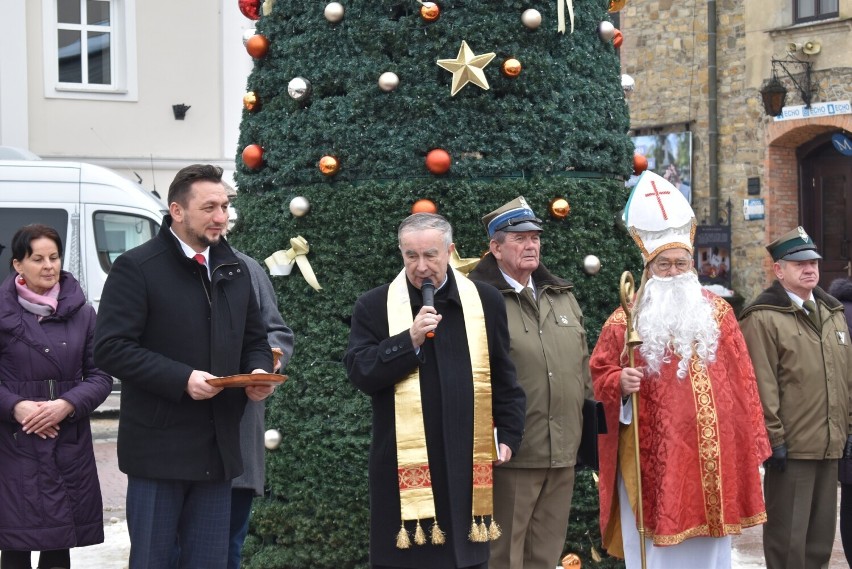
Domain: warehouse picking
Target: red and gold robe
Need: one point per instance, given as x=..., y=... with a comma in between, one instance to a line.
x=701, y=439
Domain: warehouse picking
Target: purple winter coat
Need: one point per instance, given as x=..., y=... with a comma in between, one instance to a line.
x=50, y=497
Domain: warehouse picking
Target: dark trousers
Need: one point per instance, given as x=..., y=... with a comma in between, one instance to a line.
x=195, y=515
x=846, y=520
x=46, y=560
x=241, y=501
x=801, y=509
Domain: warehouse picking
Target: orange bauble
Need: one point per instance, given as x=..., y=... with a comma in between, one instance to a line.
x=430, y=11
x=616, y=5
x=571, y=561
x=511, y=67
x=640, y=164
x=617, y=38
x=424, y=206
x=253, y=156
x=257, y=46
x=559, y=208
x=329, y=165
x=438, y=161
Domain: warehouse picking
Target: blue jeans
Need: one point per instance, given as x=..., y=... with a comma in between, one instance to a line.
x=241, y=500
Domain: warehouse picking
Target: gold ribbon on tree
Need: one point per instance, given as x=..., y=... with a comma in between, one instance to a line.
x=560, y=12
x=281, y=262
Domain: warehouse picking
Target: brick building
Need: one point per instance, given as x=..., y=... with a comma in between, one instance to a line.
x=738, y=152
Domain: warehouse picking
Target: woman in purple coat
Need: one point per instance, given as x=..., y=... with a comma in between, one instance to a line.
x=50, y=498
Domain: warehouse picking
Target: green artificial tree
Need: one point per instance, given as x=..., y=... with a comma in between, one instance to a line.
x=558, y=129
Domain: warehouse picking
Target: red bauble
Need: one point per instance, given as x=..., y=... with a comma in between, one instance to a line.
x=253, y=156
x=438, y=161
x=640, y=164
x=424, y=206
x=617, y=38
x=257, y=46
x=250, y=9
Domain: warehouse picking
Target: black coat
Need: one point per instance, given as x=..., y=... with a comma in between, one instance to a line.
x=49, y=492
x=155, y=325
x=376, y=362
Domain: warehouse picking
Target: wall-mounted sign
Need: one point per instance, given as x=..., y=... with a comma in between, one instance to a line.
x=713, y=254
x=842, y=143
x=816, y=110
x=753, y=209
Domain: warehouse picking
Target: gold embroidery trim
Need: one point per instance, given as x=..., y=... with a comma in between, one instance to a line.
x=709, y=453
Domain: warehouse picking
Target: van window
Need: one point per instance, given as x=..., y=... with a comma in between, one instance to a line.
x=13, y=218
x=116, y=233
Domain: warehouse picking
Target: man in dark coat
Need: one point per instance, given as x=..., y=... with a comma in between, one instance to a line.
x=389, y=352
x=176, y=311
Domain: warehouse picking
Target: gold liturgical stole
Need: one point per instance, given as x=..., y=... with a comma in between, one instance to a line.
x=415, y=481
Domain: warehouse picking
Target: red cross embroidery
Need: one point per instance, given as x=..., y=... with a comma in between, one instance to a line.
x=658, y=193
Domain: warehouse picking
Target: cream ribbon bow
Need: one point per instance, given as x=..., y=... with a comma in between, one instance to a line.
x=281, y=262
x=560, y=12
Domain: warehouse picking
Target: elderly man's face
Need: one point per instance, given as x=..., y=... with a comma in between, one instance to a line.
x=671, y=262
x=426, y=256
x=799, y=277
x=518, y=254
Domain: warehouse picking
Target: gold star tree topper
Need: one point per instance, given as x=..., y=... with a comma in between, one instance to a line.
x=467, y=68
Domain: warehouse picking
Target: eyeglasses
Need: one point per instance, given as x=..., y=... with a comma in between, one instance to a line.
x=664, y=265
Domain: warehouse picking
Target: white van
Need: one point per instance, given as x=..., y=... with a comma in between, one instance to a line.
x=98, y=214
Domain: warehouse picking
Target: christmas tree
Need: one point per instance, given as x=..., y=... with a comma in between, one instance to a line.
x=355, y=112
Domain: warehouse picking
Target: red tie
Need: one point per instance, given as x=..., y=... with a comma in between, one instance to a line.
x=200, y=259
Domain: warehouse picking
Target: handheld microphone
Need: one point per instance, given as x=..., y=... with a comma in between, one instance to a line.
x=427, y=289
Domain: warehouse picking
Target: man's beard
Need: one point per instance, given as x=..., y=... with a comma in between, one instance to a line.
x=675, y=319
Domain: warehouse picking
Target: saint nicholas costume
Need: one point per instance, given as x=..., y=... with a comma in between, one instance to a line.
x=701, y=438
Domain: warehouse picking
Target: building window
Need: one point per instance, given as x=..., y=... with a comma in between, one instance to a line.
x=90, y=49
x=811, y=10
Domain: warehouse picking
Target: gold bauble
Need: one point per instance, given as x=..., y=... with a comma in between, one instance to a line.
x=616, y=5
x=430, y=11
x=329, y=165
x=559, y=208
x=251, y=101
x=571, y=561
x=511, y=67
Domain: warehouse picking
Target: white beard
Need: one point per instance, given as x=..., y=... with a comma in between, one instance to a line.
x=675, y=318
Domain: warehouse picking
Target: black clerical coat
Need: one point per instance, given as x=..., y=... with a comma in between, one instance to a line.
x=376, y=362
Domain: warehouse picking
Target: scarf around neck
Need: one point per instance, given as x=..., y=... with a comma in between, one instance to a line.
x=39, y=304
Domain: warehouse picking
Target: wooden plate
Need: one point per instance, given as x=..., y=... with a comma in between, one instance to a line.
x=247, y=379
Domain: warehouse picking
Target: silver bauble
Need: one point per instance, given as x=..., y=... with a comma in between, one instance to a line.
x=333, y=12
x=628, y=84
x=247, y=34
x=606, y=31
x=591, y=264
x=299, y=88
x=299, y=206
x=272, y=439
x=388, y=81
x=531, y=18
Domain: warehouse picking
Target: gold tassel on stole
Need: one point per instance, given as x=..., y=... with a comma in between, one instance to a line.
x=402, y=539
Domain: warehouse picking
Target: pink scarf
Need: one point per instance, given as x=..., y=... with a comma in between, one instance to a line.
x=39, y=304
